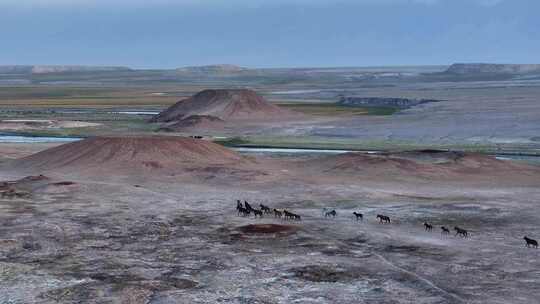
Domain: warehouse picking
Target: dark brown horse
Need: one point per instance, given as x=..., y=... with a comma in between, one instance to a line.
x=461, y=232
x=243, y=211
x=239, y=205
x=288, y=215
x=248, y=206
x=358, y=215
x=257, y=213
x=383, y=219
x=530, y=242
x=291, y=216
x=265, y=209
x=332, y=213
x=427, y=226
x=445, y=230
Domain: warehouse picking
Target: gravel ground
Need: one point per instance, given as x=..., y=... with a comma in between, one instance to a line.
x=102, y=240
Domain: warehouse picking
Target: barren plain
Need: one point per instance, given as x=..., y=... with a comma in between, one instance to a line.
x=133, y=213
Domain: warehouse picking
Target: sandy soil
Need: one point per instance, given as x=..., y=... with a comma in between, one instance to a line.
x=160, y=238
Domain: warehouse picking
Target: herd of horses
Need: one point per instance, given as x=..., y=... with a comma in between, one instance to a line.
x=246, y=209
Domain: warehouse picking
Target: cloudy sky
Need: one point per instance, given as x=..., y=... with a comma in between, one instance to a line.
x=268, y=33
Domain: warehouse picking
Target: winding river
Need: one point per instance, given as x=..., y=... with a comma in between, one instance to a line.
x=14, y=138
x=9, y=138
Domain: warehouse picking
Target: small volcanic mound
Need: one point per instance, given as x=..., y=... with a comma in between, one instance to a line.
x=196, y=122
x=26, y=182
x=267, y=228
x=22, y=187
x=360, y=161
x=225, y=104
x=33, y=178
x=179, y=283
x=58, y=188
x=130, y=153
x=431, y=155
x=322, y=273
x=66, y=183
x=411, y=250
x=431, y=151
x=430, y=163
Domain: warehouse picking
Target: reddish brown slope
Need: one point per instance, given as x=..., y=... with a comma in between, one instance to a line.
x=426, y=165
x=129, y=153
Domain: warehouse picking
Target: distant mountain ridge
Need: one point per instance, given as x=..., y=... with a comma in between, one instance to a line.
x=215, y=68
x=492, y=68
x=46, y=69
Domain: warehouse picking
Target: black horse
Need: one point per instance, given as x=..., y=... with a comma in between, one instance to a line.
x=530, y=242
x=239, y=205
x=288, y=215
x=445, y=230
x=257, y=213
x=427, y=226
x=383, y=218
x=248, y=206
x=461, y=232
x=265, y=209
x=332, y=213
x=358, y=215
x=243, y=211
x=291, y=216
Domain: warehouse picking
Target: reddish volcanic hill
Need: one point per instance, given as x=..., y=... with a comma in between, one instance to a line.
x=228, y=105
x=426, y=164
x=157, y=152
